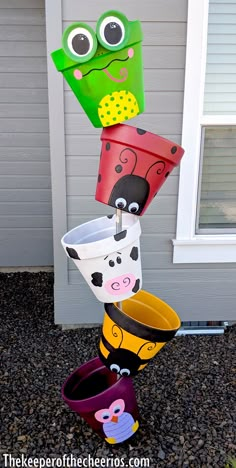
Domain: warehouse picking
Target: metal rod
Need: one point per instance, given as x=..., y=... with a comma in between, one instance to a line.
x=118, y=221
x=119, y=229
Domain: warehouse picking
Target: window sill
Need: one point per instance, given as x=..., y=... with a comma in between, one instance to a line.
x=205, y=249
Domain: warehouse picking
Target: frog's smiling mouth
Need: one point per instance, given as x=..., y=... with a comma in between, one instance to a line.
x=123, y=71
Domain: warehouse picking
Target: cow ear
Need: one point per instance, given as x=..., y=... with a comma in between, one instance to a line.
x=97, y=279
x=134, y=253
x=72, y=253
x=120, y=235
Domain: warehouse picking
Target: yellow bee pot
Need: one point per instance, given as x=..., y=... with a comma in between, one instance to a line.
x=131, y=337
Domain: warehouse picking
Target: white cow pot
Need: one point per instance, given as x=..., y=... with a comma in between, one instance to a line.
x=109, y=262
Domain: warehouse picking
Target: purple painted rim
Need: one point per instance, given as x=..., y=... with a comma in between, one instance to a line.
x=86, y=370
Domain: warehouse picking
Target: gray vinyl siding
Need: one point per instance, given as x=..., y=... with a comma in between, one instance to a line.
x=25, y=181
x=198, y=291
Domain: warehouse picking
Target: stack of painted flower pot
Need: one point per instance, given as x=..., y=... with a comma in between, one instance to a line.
x=105, y=72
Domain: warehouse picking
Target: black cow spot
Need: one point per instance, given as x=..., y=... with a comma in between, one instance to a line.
x=110, y=216
x=140, y=131
x=72, y=253
x=136, y=286
x=97, y=279
x=134, y=253
x=120, y=235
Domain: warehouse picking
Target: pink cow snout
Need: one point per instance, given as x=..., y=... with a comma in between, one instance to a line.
x=120, y=284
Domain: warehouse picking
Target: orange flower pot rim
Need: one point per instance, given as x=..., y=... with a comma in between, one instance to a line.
x=142, y=329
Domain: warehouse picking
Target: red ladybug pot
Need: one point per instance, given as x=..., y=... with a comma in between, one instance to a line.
x=134, y=165
x=108, y=405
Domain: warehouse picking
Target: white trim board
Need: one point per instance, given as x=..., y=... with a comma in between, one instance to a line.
x=57, y=139
x=188, y=247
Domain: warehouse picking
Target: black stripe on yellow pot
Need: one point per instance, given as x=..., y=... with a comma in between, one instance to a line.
x=134, y=335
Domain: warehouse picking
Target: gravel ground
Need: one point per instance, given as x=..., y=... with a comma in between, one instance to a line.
x=186, y=395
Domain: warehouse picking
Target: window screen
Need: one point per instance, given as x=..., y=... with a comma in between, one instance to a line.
x=217, y=200
x=220, y=85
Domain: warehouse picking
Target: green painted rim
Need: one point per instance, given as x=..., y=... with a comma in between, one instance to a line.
x=100, y=27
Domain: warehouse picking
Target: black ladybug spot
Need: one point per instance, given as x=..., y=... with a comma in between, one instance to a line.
x=72, y=253
x=108, y=146
x=134, y=253
x=173, y=149
x=136, y=286
x=99, y=177
x=167, y=174
x=140, y=131
x=118, y=168
x=97, y=279
x=120, y=235
x=111, y=263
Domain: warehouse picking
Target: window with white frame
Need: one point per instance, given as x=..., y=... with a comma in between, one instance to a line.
x=206, y=219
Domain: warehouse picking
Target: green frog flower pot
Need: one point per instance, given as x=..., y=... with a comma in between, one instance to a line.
x=134, y=165
x=134, y=335
x=110, y=263
x=108, y=405
x=104, y=70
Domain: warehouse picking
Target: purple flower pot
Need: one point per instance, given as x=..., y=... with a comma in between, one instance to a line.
x=108, y=405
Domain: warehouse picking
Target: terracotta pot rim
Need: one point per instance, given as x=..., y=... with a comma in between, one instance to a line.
x=149, y=142
x=94, y=397
x=142, y=329
x=107, y=245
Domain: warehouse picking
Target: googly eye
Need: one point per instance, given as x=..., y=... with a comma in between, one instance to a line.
x=113, y=30
x=106, y=415
x=120, y=203
x=111, y=263
x=119, y=260
x=115, y=368
x=133, y=207
x=79, y=42
x=117, y=409
x=125, y=372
